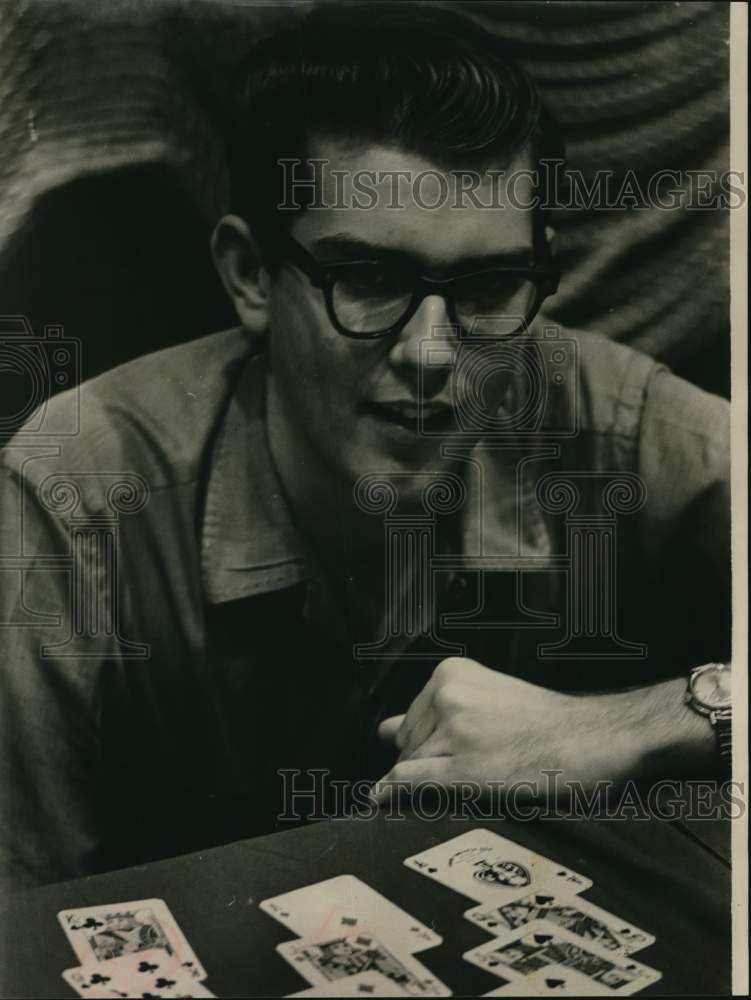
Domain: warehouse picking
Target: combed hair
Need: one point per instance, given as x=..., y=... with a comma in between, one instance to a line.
x=424, y=79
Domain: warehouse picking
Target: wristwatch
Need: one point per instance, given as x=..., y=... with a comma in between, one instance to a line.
x=708, y=693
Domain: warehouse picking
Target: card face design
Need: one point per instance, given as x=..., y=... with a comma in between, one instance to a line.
x=515, y=988
x=343, y=904
x=335, y=959
x=579, y=916
x=489, y=868
x=102, y=933
x=553, y=962
x=150, y=973
x=362, y=984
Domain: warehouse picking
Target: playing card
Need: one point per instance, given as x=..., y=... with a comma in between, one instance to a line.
x=100, y=933
x=362, y=984
x=150, y=973
x=342, y=904
x=579, y=916
x=553, y=962
x=489, y=868
x=511, y=989
x=325, y=961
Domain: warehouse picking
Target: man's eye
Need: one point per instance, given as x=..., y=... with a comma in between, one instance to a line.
x=504, y=289
x=492, y=283
x=369, y=280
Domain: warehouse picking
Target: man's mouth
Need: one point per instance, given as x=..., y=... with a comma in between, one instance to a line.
x=413, y=416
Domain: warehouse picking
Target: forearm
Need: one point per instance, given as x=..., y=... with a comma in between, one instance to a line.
x=477, y=724
x=650, y=733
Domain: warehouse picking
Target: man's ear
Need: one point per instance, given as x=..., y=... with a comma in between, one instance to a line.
x=238, y=260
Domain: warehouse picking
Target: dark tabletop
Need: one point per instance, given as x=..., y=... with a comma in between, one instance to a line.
x=662, y=876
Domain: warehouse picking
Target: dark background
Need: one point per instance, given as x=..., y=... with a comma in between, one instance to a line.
x=112, y=169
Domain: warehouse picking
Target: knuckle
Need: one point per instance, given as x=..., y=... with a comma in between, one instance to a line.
x=448, y=697
x=448, y=667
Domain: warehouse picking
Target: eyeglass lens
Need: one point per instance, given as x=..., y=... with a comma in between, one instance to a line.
x=369, y=298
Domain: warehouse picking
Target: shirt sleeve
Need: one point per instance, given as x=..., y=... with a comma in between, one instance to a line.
x=684, y=460
x=49, y=758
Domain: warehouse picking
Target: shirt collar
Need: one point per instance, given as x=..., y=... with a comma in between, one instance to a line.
x=250, y=544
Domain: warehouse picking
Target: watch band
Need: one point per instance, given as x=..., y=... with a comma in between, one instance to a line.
x=721, y=719
x=722, y=722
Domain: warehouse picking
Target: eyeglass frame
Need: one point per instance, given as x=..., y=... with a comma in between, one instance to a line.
x=322, y=276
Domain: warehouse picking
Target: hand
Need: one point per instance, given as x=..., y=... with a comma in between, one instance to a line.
x=470, y=723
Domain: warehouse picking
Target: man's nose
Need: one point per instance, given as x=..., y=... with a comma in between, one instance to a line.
x=430, y=322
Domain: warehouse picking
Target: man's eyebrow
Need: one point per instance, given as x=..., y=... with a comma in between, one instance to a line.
x=348, y=246
x=354, y=247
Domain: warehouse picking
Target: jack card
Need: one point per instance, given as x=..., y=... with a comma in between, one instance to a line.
x=579, y=916
x=326, y=961
x=553, y=962
x=362, y=984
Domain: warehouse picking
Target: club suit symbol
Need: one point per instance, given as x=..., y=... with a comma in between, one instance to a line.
x=90, y=924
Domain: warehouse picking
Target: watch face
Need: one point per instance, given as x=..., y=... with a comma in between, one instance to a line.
x=712, y=688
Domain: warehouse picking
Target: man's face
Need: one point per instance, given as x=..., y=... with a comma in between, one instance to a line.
x=352, y=404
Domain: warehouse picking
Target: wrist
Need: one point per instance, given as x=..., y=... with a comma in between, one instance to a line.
x=667, y=738
x=644, y=733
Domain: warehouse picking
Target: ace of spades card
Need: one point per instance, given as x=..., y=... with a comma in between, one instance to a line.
x=489, y=868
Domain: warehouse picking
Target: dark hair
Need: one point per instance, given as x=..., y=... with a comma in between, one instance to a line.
x=424, y=78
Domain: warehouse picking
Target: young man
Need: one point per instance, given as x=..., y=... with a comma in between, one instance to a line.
x=360, y=507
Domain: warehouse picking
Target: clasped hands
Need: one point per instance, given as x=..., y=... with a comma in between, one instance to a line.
x=471, y=723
